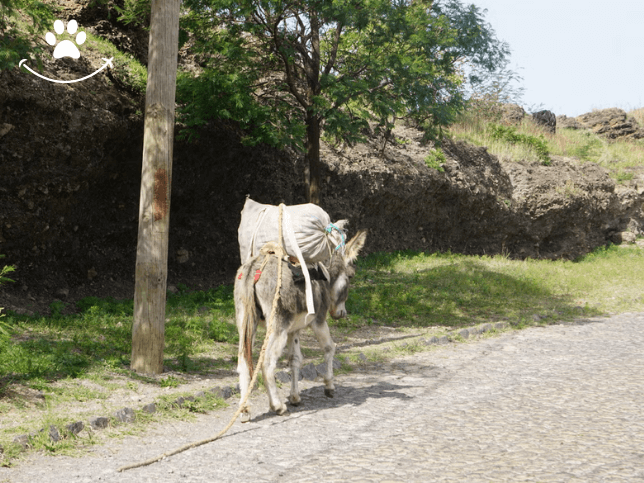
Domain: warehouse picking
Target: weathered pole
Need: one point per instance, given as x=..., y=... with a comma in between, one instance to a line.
x=148, y=329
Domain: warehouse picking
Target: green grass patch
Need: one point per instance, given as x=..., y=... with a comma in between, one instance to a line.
x=413, y=289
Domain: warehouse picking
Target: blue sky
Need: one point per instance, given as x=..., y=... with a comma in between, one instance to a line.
x=574, y=55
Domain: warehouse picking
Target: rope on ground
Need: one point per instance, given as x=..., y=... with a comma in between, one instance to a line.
x=279, y=252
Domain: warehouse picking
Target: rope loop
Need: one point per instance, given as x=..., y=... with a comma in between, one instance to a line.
x=329, y=229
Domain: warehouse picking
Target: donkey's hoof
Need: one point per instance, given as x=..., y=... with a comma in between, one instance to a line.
x=294, y=400
x=329, y=392
x=245, y=417
x=282, y=411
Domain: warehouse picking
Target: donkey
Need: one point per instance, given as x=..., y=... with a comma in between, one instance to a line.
x=253, y=302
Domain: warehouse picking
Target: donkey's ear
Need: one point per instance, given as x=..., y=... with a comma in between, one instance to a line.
x=355, y=245
x=342, y=224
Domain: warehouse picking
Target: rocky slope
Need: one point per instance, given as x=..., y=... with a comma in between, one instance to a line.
x=70, y=158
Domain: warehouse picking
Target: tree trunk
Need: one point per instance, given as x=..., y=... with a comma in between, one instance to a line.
x=312, y=69
x=148, y=328
x=313, y=158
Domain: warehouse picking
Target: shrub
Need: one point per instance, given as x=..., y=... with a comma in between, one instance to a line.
x=434, y=159
x=510, y=135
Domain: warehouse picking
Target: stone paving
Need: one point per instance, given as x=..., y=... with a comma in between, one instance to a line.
x=563, y=403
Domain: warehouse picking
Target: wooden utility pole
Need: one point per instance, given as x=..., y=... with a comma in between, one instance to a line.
x=148, y=330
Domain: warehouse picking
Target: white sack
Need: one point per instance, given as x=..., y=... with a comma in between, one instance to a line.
x=315, y=235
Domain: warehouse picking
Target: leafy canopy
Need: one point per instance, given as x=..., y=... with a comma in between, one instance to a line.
x=20, y=21
x=346, y=62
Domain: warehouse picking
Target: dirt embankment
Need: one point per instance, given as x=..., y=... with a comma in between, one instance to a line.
x=70, y=158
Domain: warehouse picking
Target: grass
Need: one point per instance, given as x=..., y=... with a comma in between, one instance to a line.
x=51, y=364
x=528, y=142
x=412, y=289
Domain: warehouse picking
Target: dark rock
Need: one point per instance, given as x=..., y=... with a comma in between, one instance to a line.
x=99, y=422
x=283, y=377
x=222, y=392
x=54, y=434
x=546, y=119
x=125, y=415
x=309, y=372
x=75, y=428
x=336, y=363
x=565, y=122
x=22, y=440
x=150, y=408
x=431, y=341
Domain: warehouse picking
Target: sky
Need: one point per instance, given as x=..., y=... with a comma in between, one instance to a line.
x=574, y=55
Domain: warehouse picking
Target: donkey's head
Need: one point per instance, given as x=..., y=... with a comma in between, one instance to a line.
x=341, y=272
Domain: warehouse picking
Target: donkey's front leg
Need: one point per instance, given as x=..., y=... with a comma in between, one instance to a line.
x=321, y=330
x=295, y=361
x=274, y=349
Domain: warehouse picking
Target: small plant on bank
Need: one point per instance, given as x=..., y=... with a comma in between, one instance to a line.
x=510, y=135
x=435, y=159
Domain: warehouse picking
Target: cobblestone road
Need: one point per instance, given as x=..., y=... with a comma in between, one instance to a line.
x=562, y=403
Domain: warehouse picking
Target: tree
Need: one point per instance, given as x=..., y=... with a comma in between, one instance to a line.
x=14, y=44
x=156, y=178
x=344, y=63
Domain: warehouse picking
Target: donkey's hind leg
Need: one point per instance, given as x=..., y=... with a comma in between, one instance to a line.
x=274, y=350
x=321, y=330
x=295, y=362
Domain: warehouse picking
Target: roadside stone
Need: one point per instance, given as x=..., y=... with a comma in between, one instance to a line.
x=99, y=422
x=75, y=428
x=54, y=434
x=628, y=237
x=200, y=394
x=309, y=372
x=22, y=440
x=150, y=408
x=283, y=376
x=431, y=341
x=500, y=325
x=474, y=331
x=362, y=357
x=443, y=340
x=464, y=333
x=179, y=401
x=486, y=328
x=125, y=415
x=222, y=392
x=337, y=364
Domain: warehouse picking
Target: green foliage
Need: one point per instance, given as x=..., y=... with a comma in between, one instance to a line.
x=510, y=135
x=17, y=33
x=4, y=330
x=218, y=95
x=376, y=62
x=434, y=159
x=589, y=149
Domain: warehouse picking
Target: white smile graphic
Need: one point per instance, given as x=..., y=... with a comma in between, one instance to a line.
x=108, y=62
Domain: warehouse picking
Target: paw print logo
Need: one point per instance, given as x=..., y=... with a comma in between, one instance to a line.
x=66, y=48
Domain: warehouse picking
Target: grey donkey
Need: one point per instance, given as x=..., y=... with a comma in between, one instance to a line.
x=254, y=294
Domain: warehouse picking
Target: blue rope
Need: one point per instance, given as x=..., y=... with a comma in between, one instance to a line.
x=330, y=228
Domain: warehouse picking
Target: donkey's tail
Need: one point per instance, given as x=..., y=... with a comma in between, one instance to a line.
x=248, y=321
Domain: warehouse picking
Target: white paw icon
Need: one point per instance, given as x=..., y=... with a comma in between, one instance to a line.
x=66, y=48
